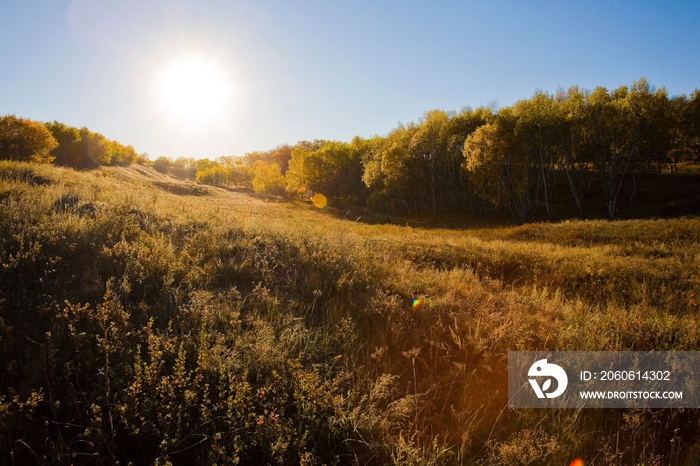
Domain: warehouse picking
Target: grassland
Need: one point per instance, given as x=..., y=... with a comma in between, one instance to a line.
x=151, y=320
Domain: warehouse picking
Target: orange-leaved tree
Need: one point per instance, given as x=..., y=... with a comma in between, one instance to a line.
x=25, y=140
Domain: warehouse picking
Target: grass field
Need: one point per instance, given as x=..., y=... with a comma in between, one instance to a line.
x=147, y=319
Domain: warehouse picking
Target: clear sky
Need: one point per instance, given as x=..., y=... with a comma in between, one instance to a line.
x=280, y=72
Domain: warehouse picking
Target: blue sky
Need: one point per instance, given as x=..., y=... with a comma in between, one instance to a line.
x=324, y=69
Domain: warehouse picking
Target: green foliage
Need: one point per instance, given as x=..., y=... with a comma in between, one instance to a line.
x=417, y=167
x=501, y=170
x=617, y=136
x=511, y=158
x=386, y=171
x=25, y=140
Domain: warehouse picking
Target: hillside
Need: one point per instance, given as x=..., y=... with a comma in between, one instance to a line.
x=148, y=319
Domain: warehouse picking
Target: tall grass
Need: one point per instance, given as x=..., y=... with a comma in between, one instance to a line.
x=149, y=320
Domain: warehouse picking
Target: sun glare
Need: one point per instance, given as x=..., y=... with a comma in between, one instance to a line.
x=194, y=90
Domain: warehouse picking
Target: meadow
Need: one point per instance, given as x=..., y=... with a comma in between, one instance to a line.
x=149, y=320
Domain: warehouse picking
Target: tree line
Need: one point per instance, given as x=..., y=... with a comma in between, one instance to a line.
x=263, y=171
x=508, y=159
x=22, y=139
x=579, y=137
x=522, y=159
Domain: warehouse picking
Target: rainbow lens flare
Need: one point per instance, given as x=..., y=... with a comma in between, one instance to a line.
x=319, y=200
x=417, y=302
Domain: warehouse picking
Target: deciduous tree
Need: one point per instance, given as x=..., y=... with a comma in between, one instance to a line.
x=502, y=167
x=267, y=178
x=25, y=140
x=69, y=151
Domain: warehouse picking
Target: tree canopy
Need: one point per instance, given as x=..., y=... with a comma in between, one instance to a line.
x=25, y=140
x=82, y=148
x=523, y=159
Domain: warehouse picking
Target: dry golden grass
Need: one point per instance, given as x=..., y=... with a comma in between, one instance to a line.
x=176, y=322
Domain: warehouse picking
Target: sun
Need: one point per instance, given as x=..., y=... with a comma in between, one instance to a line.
x=194, y=90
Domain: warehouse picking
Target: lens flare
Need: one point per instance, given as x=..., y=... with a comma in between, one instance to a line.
x=577, y=462
x=319, y=200
x=417, y=302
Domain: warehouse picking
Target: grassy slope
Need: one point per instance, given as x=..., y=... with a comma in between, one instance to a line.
x=149, y=319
